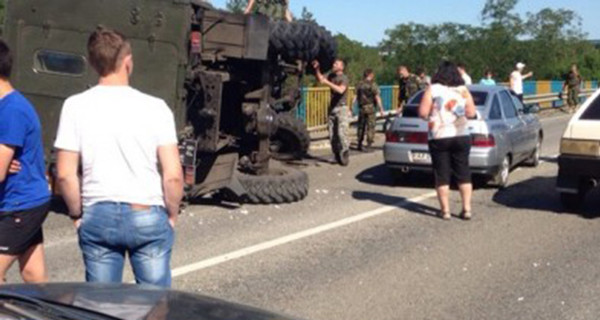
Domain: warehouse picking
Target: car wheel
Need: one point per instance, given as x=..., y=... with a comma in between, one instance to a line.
x=572, y=202
x=534, y=160
x=500, y=180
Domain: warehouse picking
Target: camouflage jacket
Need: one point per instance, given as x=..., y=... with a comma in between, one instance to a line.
x=275, y=9
x=366, y=93
x=408, y=87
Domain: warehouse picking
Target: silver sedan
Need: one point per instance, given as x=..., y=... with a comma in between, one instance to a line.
x=505, y=134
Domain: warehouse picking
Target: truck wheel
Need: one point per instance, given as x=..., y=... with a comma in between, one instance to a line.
x=294, y=41
x=291, y=140
x=327, y=48
x=281, y=185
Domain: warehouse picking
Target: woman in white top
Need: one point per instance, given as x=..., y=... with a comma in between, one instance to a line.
x=447, y=105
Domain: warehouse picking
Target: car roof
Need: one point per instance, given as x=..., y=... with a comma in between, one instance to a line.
x=484, y=88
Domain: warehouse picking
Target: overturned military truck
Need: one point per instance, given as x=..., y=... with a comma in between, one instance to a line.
x=231, y=80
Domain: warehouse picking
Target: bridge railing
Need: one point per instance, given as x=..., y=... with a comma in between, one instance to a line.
x=315, y=102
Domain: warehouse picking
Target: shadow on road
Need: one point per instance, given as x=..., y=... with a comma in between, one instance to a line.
x=538, y=193
x=399, y=202
x=381, y=176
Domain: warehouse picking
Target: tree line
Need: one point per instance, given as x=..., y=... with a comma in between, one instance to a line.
x=548, y=41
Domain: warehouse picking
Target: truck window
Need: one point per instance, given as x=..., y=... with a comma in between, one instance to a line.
x=61, y=63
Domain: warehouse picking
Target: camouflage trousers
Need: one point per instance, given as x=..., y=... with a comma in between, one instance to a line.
x=573, y=98
x=338, y=125
x=366, y=124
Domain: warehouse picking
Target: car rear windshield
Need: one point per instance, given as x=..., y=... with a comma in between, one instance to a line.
x=593, y=111
x=412, y=111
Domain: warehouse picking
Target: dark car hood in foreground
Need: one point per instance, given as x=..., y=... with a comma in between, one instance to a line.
x=129, y=302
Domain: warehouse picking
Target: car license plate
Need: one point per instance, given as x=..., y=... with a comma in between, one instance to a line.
x=421, y=157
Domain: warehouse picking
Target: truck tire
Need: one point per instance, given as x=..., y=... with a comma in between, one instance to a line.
x=294, y=40
x=281, y=185
x=291, y=140
x=327, y=48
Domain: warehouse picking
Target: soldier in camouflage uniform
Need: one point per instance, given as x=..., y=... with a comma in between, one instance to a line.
x=409, y=85
x=339, y=112
x=368, y=96
x=573, y=82
x=276, y=9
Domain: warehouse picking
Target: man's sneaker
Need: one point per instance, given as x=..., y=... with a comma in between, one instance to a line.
x=344, y=158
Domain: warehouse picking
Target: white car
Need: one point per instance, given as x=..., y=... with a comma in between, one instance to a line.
x=579, y=160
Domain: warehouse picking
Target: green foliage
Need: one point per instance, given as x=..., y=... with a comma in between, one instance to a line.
x=236, y=6
x=548, y=41
x=358, y=57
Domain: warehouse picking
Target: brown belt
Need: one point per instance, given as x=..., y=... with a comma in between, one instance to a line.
x=139, y=207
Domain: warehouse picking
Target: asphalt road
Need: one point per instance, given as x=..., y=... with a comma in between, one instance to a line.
x=362, y=247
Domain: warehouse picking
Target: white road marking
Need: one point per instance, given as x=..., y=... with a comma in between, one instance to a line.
x=211, y=262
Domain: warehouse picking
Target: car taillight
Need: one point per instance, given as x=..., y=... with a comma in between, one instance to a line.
x=407, y=137
x=392, y=136
x=483, y=140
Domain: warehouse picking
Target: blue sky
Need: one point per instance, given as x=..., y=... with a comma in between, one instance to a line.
x=367, y=20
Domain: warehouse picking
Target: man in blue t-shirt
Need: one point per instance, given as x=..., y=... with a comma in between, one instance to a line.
x=24, y=194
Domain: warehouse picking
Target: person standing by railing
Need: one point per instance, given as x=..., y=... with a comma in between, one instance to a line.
x=516, y=79
x=339, y=112
x=488, y=79
x=368, y=96
x=572, y=83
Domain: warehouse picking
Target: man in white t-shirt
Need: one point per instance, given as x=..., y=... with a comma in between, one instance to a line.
x=516, y=79
x=132, y=181
x=462, y=69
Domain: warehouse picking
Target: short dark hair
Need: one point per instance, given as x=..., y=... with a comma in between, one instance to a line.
x=488, y=71
x=106, y=50
x=448, y=75
x=6, y=60
x=367, y=72
x=403, y=66
x=461, y=65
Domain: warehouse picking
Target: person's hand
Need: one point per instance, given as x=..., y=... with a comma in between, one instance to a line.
x=77, y=224
x=15, y=167
x=316, y=65
x=173, y=221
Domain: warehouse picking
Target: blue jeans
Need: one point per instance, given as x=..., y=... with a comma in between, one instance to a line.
x=110, y=230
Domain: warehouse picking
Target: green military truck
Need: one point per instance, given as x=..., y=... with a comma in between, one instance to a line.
x=226, y=76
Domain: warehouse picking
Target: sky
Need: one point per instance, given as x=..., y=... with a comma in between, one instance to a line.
x=367, y=20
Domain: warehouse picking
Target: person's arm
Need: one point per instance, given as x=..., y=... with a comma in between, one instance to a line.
x=249, y=7
x=529, y=75
x=426, y=105
x=172, y=179
x=512, y=81
x=67, y=165
x=380, y=104
x=6, y=157
x=288, y=15
x=470, y=109
x=337, y=88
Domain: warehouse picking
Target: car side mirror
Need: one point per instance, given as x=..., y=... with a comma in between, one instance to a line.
x=532, y=109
